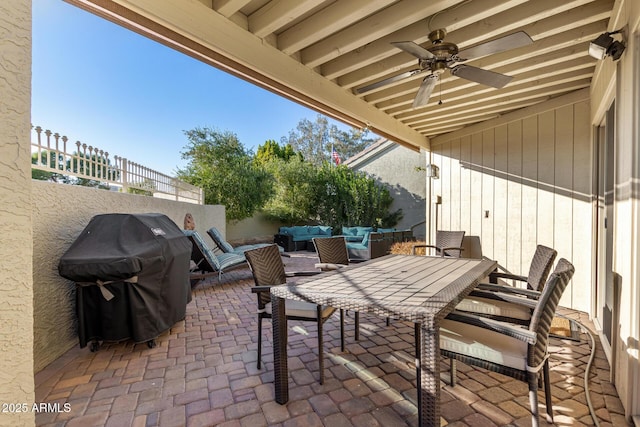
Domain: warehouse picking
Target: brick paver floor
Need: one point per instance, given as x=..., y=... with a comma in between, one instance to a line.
x=203, y=373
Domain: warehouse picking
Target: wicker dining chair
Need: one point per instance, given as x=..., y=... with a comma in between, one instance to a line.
x=509, y=349
x=495, y=300
x=448, y=244
x=268, y=270
x=332, y=254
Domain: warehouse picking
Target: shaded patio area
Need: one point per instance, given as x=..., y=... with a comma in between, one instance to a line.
x=203, y=373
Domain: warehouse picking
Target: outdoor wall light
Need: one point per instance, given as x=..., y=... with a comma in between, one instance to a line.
x=433, y=171
x=604, y=45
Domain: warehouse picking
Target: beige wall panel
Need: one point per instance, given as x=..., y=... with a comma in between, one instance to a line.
x=525, y=177
x=498, y=215
x=16, y=282
x=488, y=189
x=546, y=172
x=529, y=235
x=436, y=190
x=465, y=185
x=582, y=205
x=455, y=185
x=445, y=180
x=60, y=213
x=475, y=212
x=514, y=198
x=563, y=206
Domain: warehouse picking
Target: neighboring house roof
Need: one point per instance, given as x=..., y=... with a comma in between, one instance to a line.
x=373, y=151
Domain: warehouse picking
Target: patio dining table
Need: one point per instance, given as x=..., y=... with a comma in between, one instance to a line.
x=418, y=289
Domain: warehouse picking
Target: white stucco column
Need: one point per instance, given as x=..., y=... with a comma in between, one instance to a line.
x=16, y=247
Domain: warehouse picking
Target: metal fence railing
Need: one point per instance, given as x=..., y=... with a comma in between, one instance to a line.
x=78, y=163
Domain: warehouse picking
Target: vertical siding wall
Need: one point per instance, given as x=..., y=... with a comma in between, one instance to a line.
x=522, y=180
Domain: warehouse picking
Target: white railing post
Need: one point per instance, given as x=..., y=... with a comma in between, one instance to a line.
x=92, y=163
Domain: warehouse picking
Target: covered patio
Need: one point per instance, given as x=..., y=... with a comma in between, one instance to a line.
x=203, y=373
x=551, y=158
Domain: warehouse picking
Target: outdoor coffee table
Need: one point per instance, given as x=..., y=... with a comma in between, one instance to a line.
x=418, y=289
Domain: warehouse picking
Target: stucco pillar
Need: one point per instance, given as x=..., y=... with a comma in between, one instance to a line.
x=16, y=247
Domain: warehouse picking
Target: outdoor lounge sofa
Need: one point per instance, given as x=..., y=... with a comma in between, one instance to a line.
x=364, y=243
x=297, y=238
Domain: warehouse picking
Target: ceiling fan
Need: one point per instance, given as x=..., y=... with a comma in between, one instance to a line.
x=443, y=55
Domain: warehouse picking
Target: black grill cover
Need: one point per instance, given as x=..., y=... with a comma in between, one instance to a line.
x=114, y=248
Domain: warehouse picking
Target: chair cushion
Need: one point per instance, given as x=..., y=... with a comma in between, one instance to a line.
x=302, y=309
x=385, y=230
x=219, y=239
x=491, y=307
x=483, y=344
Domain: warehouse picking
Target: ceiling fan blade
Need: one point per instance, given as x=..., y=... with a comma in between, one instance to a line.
x=510, y=41
x=479, y=75
x=424, y=92
x=414, y=49
x=389, y=80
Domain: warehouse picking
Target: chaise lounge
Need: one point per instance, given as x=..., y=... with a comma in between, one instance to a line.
x=227, y=248
x=208, y=263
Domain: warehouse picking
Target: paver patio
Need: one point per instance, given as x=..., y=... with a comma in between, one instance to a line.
x=203, y=373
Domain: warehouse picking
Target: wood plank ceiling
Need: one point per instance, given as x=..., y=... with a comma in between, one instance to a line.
x=320, y=52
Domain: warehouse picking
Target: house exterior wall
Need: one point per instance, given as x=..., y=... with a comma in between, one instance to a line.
x=619, y=80
x=522, y=180
x=16, y=285
x=60, y=213
x=397, y=168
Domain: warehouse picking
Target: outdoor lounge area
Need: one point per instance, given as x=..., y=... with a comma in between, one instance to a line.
x=513, y=121
x=203, y=373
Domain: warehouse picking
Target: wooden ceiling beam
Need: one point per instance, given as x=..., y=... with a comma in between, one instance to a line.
x=330, y=20
x=532, y=90
x=567, y=21
x=228, y=7
x=450, y=19
x=276, y=14
x=399, y=15
x=536, y=66
x=539, y=49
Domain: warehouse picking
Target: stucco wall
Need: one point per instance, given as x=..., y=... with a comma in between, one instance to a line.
x=16, y=287
x=395, y=166
x=254, y=229
x=60, y=213
x=522, y=180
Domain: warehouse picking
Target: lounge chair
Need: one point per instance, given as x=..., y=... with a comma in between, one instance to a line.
x=509, y=349
x=268, y=270
x=227, y=248
x=208, y=263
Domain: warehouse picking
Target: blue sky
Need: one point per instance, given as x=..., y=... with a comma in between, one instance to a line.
x=109, y=87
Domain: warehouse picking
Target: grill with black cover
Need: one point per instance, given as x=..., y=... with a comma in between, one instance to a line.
x=132, y=277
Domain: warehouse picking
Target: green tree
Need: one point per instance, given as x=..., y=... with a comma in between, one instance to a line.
x=347, y=198
x=295, y=191
x=221, y=165
x=313, y=140
x=271, y=150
